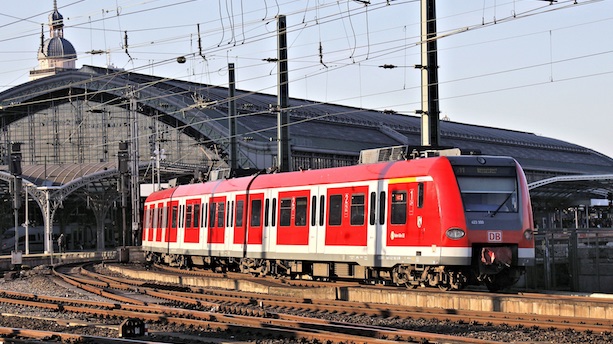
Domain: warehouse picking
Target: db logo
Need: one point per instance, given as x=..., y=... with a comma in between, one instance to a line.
x=494, y=236
x=396, y=235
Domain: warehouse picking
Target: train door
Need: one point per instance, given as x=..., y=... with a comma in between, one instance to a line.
x=240, y=219
x=173, y=222
x=148, y=226
x=217, y=220
x=161, y=221
x=249, y=220
x=346, y=224
x=405, y=214
x=192, y=221
x=292, y=226
x=255, y=223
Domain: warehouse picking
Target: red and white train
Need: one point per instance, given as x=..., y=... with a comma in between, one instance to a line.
x=445, y=221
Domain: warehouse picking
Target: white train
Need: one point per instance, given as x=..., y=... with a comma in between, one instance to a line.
x=36, y=239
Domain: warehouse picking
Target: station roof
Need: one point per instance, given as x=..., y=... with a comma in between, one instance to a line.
x=316, y=127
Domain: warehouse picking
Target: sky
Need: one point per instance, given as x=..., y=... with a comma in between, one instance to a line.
x=526, y=65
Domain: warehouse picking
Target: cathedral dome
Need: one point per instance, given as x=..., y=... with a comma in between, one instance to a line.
x=57, y=47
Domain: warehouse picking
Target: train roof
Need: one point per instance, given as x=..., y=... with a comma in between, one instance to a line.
x=392, y=169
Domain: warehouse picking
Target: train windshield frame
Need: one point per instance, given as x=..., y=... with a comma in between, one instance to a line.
x=488, y=189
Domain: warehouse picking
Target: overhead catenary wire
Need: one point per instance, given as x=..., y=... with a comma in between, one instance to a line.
x=405, y=50
x=339, y=62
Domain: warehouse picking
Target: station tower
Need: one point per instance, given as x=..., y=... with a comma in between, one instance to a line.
x=55, y=54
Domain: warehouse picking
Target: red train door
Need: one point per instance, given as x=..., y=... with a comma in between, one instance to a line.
x=160, y=214
x=249, y=216
x=405, y=214
x=148, y=228
x=217, y=216
x=346, y=223
x=293, y=227
x=256, y=214
x=192, y=221
x=173, y=221
x=239, y=220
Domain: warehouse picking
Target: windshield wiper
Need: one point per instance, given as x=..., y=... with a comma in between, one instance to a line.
x=501, y=204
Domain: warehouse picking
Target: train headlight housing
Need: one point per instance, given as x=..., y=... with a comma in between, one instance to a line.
x=528, y=234
x=455, y=233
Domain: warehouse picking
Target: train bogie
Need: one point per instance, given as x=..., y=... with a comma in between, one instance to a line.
x=444, y=221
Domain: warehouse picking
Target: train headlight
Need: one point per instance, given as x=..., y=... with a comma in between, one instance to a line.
x=455, y=233
x=528, y=234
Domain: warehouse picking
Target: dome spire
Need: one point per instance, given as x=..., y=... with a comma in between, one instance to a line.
x=56, y=22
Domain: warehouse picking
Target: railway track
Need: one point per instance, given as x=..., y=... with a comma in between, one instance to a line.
x=286, y=318
x=251, y=314
x=301, y=305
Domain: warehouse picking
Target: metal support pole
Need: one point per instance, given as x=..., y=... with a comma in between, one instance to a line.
x=16, y=213
x=283, y=141
x=26, y=223
x=232, y=118
x=430, y=135
x=547, y=262
x=134, y=170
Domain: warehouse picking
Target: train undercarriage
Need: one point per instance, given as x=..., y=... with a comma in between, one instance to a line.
x=494, y=276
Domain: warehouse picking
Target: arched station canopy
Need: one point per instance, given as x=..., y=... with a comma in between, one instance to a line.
x=321, y=135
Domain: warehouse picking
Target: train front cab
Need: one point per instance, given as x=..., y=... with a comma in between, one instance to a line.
x=498, y=218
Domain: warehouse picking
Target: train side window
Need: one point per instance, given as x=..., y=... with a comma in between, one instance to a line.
x=373, y=208
x=357, y=209
x=274, y=212
x=181, y=220
x=399, y=208
x=189, y=216
x=231, y=213
x=221, y=211
x=313, y=210
x=382, y=207
x=212, y=214
x=301, y=211
x=147, y=218
x=420, y=195
x=174, y=215
x=239, y=213
x=336, y=210
x=204, y=214
x=285, y=212
x=156, y=216
x=256, y=210
x=266, y=211
x=196, y=214
x=322, y=209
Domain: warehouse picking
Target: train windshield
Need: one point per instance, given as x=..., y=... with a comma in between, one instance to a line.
x=489, y=194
